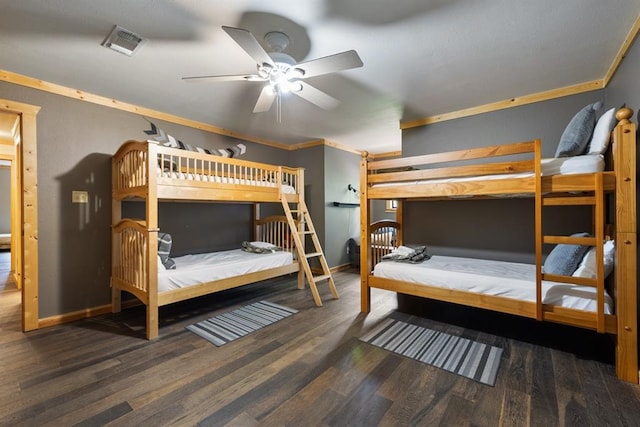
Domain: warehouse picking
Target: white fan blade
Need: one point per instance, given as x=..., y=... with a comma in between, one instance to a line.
x=248, y=42
x=266, y=98
x=316, y=96
x=225, y=78
x=329, y=64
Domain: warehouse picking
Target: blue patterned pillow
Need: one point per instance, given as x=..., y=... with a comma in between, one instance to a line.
x=577, y=134
x=565, y=258
x=164, y=248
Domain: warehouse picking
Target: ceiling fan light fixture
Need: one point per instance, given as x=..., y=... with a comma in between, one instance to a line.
x=264, y=72
x=295, y=73
x=280, y=71
x=277, y=41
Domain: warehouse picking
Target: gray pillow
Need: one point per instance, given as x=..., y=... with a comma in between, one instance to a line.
x=565, y=258
x=164, y=248
x=577, y=134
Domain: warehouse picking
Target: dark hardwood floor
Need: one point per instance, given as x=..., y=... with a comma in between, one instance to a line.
x=308, y=369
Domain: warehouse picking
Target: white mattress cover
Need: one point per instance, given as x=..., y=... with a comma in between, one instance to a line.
x=554, y=166
x=499, y=278
x=201, y=268
x=286, y=189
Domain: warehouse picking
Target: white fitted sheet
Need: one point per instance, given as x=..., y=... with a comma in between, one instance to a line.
x=498, y=278
x=286, y=189
x=201, y=268
x=555, y=166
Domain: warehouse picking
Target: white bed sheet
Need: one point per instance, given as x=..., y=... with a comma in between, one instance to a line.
x=499, y=278
x=201, y=268
x=555, y=166
x=286, y=189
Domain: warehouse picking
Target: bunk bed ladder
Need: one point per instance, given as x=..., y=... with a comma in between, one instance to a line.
x=595, y=200
x=302, y=226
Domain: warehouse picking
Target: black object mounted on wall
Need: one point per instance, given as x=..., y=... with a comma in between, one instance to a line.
x=346, y=205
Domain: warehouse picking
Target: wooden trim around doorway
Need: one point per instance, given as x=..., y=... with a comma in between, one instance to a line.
x=26, y=162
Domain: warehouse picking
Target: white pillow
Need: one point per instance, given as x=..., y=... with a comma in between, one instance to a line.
x=602, y=132
x=161, y=266
x=587, y=267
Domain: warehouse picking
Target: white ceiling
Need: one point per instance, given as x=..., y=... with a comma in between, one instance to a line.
x=421, y=57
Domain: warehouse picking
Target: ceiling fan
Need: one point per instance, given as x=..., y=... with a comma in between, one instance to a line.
x=280, y=71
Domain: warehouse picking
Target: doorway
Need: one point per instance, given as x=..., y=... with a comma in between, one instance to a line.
x=7, y=270
x=18, y=146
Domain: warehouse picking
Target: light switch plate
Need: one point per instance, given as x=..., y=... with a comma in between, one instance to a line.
x=79, y=197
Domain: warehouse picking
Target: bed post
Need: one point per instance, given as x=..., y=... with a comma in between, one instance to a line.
x=116, y=217
x=400, y=220
x=365, y=248
x=624, y=158
x=151, y=206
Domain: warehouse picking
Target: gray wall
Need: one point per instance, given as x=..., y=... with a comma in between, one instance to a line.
x=624, y=87
x=5, y=200
x=341, y=168
x=492, y=229
x=312, y=160
x=75, y=143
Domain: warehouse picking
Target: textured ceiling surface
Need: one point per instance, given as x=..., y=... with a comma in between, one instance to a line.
x=421, y=58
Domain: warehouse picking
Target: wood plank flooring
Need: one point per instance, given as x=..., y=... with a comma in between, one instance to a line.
x=6, y=279
x=306, y=370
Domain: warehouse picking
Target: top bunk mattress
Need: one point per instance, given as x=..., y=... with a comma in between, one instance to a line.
x=589, y=163
x=201, y=268
x=498, y=278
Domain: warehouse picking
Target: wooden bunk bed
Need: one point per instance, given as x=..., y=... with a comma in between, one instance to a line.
x=153, y=173
x=423, y=178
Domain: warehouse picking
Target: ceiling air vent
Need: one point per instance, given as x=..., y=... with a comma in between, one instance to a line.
x=123, y=41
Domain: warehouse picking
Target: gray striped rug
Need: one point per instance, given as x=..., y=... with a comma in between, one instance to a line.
x=454, y=354
x=235, y=324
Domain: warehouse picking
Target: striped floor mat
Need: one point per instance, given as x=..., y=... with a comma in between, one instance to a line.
x=230, y=326
x=454, y=354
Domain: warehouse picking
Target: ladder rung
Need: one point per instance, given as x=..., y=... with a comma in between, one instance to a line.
x=569, y=201
x=322, y=277
x=585, y=281
x=589, y=241
x=306, y=232
x=312, y=254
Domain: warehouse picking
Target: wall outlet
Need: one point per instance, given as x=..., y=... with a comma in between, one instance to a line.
x=79, y=197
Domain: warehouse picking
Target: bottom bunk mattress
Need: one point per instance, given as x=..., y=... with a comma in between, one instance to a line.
x=497, y=278
x=201, y=268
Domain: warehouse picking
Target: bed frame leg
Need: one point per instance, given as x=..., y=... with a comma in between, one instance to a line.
x=301, y=278
x=152, y=322
x=116, y=300
x=365, y=297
